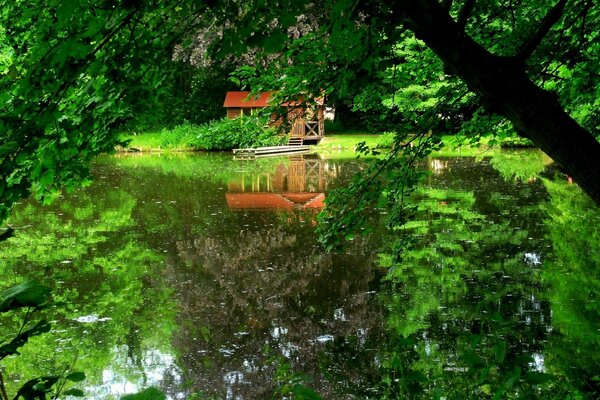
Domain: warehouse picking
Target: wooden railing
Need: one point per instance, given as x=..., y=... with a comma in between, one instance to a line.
x=307, y=129
x=311, y=129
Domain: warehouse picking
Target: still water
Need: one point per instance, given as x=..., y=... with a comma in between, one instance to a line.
x=203, y=276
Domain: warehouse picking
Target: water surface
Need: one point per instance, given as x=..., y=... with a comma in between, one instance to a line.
x=203, y=276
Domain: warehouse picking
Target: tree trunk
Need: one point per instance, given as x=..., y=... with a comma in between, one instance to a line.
x=504, y=86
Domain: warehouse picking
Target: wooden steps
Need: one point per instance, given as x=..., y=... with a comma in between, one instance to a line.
x=270, y=151
x=295, y=141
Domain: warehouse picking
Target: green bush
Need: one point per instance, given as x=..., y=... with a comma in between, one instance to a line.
x=386, y=140
x=241, y=132
x=179, y=137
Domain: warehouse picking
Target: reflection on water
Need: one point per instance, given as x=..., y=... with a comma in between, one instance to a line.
x=203, y=276
x=299, y=183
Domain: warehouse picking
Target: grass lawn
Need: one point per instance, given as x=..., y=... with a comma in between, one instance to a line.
x=334, y=145
x=347, y=142
x=152, y=141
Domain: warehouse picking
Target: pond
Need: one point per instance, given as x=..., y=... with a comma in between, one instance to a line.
x=203, y=276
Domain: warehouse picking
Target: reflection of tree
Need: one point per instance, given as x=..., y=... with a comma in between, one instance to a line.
x=84, y=247
x=520, y=164
x=246, y=280
x=271, y=287
x=466, y=310
x=232, y=271
x=574, y=280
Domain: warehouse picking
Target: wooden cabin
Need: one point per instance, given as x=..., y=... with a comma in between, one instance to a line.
x=306, y=123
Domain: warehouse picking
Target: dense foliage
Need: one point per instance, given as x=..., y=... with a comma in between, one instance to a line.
x=241, y=132
x=484, y=293
x=71, y=72
x=222, y=134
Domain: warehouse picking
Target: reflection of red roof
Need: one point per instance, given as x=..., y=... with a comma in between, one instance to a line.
x=244, y=99
x=257, y=200
x=317, y=202
x=299, y=198
x=285, y=201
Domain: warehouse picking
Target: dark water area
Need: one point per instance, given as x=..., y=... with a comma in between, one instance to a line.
x=203, y=276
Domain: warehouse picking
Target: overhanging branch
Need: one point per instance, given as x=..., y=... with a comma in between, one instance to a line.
x=546, y=24
x=447, y=4
x=465, y=14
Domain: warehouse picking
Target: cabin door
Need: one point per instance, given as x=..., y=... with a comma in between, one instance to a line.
x=298, y=128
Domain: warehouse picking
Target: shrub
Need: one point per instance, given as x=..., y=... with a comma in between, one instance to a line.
x=180, y=136
x=386, y=141
x=241, y=132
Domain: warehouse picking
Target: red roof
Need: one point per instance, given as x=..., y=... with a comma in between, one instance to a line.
x=244, y=99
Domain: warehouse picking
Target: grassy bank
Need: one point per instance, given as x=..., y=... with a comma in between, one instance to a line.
x=224, y=134
x=348, y=142
x=186, y=138
x=153, y=141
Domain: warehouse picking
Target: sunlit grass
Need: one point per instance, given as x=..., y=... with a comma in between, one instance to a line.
x=347, y=142
x=334, y=145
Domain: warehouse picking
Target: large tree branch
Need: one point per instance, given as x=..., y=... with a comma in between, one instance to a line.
x=553, y=16
x=504, y=86
x=465, y=14
x=447, y=4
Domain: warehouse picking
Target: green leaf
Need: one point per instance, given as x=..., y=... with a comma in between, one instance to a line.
x=66, y=10
x=147, y=394
x=37, y=388
x=74, y=392
x=27, y=294
x=274, y=42
x=76, y=377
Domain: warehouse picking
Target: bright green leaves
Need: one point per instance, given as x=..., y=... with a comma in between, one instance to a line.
x=290, y=383
x=227, y=134
x=28, y=294
x=39, y=388
x=32, y=295
x=384, y=185
x=75, y=71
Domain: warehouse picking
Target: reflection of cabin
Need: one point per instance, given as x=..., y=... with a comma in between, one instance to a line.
x=299, y=184
x=306, y=123
x=271, y=201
